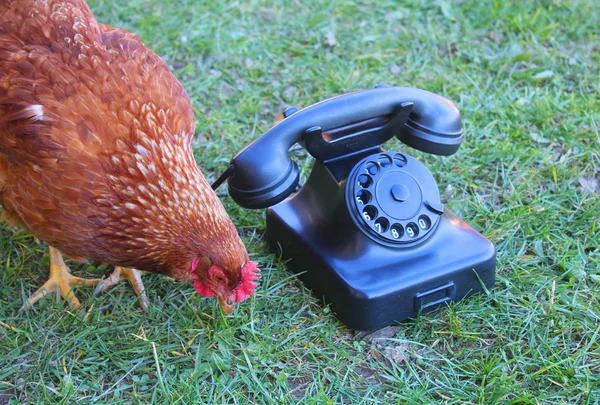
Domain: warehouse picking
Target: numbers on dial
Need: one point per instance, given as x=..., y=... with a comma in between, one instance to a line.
x=372, y=168
x=363, y=197
x=364, y=180
x=424, y=222
x=397, y=231
x=376, y=219
x=381, y=225
x=369, y=213
x=412, y=230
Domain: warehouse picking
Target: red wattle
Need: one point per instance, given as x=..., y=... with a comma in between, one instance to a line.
x=199, y=285
x=202, y=289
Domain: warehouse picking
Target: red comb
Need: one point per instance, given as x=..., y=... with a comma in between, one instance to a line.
x=247, y=286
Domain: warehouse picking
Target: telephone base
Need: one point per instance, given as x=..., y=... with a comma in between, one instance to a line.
x=370, y=285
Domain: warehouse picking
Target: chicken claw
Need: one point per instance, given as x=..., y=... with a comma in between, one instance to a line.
x=61, y=282
x=135, y=279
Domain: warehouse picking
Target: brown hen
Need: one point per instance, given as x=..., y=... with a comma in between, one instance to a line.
x=96, y=158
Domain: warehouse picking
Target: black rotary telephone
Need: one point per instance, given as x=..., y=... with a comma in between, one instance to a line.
x=367, y=231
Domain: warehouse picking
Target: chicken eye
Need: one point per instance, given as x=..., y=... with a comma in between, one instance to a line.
x=220, y=279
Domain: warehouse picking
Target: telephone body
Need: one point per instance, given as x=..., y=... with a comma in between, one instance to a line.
x=367, y=232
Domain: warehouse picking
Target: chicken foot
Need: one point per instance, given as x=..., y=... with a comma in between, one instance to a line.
x=60, y=282
x=135, y=279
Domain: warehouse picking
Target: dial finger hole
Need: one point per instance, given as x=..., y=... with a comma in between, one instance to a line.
x=424, y=222
x=384, y=161
x=364, y=180
x=369, y=213
x=412, y=230
x=363, y=197
x=381, y=225
x=372, y=168
x=397, y=231
x=400, y=160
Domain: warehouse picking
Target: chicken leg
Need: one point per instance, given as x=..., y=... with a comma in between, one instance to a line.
x=61, y=282
x=135, y=279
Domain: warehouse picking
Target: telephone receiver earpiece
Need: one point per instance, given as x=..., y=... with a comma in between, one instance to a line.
x=263, y=174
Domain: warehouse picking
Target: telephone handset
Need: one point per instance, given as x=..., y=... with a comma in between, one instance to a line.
x=368, y=231
x=264, y=173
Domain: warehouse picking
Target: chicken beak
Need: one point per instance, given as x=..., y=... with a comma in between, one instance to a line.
x=227, y=304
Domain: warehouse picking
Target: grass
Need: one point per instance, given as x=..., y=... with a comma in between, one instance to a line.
x=525, y=77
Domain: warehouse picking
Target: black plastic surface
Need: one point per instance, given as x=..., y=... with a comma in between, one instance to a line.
x=386, y=194
x=264, y=174
x=371, y=284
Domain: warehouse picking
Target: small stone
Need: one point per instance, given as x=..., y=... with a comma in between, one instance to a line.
x=330, y=40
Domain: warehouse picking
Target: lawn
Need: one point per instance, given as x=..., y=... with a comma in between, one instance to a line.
x=524, y=75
